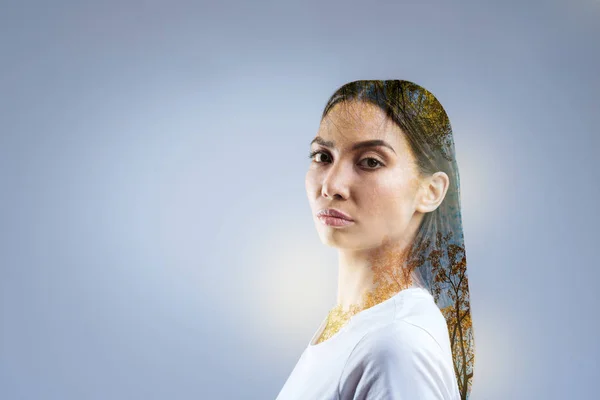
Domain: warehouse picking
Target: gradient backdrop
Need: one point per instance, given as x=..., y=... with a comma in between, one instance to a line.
x=156, y=241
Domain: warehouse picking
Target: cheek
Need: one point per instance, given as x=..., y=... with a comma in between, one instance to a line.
x=387, y=201
x=310, y=184
x=307, y=181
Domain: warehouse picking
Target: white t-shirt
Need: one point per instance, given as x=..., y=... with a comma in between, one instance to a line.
x=398, y=349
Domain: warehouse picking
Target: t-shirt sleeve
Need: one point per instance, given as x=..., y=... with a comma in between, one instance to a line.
x=399, y=362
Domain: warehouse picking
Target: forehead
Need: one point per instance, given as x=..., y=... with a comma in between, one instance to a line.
x=349, y=122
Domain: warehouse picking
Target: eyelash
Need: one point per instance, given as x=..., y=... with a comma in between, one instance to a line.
x=312, y=154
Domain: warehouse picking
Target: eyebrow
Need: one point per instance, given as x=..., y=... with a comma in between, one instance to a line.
x=356, y=146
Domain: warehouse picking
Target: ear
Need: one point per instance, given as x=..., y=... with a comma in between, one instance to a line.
x=432, y=192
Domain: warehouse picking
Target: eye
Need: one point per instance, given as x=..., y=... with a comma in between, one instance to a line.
x=373, y=164
x=314, y=153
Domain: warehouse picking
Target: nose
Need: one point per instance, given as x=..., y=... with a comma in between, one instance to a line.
x=336, y=183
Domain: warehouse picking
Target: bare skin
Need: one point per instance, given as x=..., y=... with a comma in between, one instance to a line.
x=386, y=198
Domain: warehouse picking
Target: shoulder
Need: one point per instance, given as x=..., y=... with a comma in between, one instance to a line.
x=399, y=359
x=422, y=315
x=399, y=340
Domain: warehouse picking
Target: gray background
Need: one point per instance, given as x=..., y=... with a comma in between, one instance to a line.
x=155, y=236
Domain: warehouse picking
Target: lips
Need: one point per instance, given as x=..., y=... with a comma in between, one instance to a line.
x=331, y=212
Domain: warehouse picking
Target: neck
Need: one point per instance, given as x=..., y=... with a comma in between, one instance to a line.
x=369, y=276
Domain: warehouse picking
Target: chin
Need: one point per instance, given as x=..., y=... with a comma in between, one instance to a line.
x=336, y=238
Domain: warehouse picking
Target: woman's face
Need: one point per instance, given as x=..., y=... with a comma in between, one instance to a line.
x=375, y=185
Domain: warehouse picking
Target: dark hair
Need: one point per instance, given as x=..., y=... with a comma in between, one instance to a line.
x=437, y=258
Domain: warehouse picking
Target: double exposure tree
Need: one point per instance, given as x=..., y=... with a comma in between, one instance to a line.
x=450, y=280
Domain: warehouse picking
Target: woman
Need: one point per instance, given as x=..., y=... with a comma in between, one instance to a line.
x=383, y=186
